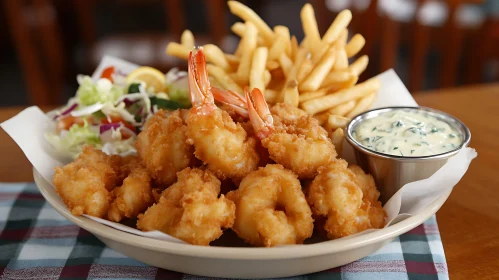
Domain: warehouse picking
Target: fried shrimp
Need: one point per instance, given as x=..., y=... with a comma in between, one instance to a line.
x=133, y=197
x=219, y=142
x=85, y=183
x=336, y=195
x=163, y=148
x=271, y=208
x=190, y=209
x=286, y=113
x=299, y=144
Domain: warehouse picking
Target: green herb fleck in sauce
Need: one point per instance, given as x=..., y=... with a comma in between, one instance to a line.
x=407, y=132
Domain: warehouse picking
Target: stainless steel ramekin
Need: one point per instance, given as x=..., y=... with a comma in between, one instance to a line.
x=392, y=172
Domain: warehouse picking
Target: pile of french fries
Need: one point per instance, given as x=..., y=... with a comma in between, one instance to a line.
x=314, y=74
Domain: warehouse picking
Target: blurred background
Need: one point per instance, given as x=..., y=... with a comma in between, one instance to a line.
x=45, y=43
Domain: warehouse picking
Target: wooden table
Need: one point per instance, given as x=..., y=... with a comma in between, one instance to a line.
x=469, y=220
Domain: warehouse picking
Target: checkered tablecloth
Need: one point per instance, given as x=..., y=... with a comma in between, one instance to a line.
x=38, y=243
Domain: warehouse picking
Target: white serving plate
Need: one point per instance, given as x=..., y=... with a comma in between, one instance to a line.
x=241, y=262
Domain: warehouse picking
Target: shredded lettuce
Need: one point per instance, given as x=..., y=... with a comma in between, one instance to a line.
x=75, y=139
x=123, y=147
x=102, y=91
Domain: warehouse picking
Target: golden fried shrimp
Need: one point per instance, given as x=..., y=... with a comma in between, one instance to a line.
x=335, y=194
x=163, y=148
x=370, y=196
x=300, y=145
x=286, y=113
x=85, y=183
x=190, y=209
x=125, y=165
x=219, y=142
x=133, y=197
x=271, y=208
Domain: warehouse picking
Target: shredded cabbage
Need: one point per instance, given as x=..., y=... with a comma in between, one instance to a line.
x=75, y=139
x=123, y=147
x=102, y=91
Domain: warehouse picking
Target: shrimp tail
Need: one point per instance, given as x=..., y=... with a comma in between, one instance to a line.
x=259, y=113
x=231, y=99
x=199, y=85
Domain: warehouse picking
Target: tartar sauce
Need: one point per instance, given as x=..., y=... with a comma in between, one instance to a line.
x=408, y=133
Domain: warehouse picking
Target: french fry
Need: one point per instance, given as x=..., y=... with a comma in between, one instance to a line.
x=247, y=14
x=232, y=60
x=177, y=50
x=281, y=30
x=343, y=109
x=340, y=22
x=285, y=63
x=359, y=65
x=337, y=138
x=336, y=77
x=247, y=47
x=238, y=28
x=187, y=39
x=293, y=72
x=326, y=102
x=341, y=42
x=258, y=63
x=278, y=47
x=235, y=78
x=341, y=62
x=270, y=96
x=304, y=70
x=267, y=77
x=272, y=65
x=294, y=48
x=223, y=79
x=214, y=82
x=334, y=122
x=310, y=27
x=216, y=56
x=312, y=95
x=362, y=105
x=291, y=95
x=320, y=71
x=355, y=45
x=342, y=85
x=322, y=117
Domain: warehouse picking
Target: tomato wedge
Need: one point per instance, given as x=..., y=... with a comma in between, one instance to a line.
x=108, y=73
x=68, y=121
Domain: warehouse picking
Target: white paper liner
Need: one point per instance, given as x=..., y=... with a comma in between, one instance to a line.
x=28, y=127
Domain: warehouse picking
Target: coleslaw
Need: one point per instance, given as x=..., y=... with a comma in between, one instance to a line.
x=108, y=113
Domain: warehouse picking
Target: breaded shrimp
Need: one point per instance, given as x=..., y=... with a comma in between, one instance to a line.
x=271, y=208
x=284, y=112
x=133, y=197
x=190, y=209
x=301, y=145
x=163, y=148
x=370, y=196
x=219, y=142
x=85, y=183
x=335, y=194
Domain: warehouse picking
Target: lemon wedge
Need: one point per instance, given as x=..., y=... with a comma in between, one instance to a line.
x=154, y=79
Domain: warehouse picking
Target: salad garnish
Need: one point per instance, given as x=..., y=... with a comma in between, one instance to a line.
x=109, y=112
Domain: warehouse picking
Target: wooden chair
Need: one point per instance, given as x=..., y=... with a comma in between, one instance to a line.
x=484, y=47
x=155, y=42
x=450, y=40
x=36, y=35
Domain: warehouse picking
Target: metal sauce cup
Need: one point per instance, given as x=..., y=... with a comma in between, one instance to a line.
x=392, y=172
